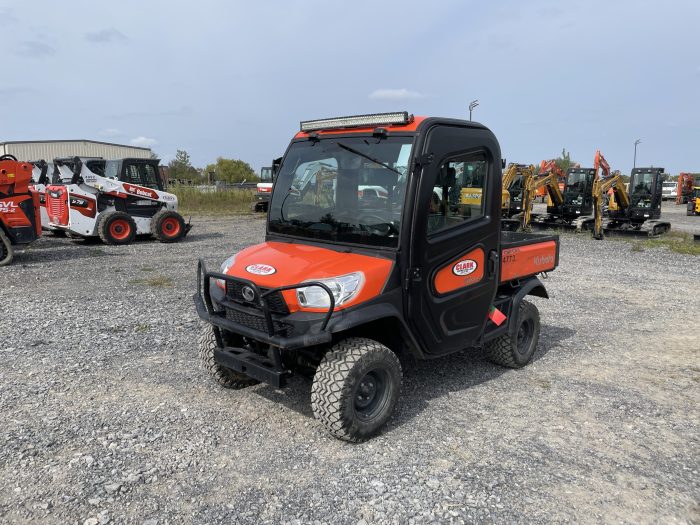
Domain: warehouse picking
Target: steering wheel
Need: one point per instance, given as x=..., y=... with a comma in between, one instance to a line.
x=380, y=226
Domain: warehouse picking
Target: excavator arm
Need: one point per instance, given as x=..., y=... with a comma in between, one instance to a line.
x=550, y=181
x=601, y=185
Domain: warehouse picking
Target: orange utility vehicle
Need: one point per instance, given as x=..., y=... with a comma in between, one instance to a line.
x=344, y=286
x=20, y=222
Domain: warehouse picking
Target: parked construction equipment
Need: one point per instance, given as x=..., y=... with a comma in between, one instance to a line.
x=20, y=220
x=693, y=205
x=343, y=285
x=113, y=199
x=549, y=181
x=686, y=182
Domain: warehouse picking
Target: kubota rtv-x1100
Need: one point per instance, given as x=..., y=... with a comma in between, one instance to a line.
x=344, y=285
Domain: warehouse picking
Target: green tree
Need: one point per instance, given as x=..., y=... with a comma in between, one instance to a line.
x=564, y=161
x=181, y=167
x=231, y=170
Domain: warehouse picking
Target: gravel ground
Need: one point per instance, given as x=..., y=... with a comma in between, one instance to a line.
x=108, y=417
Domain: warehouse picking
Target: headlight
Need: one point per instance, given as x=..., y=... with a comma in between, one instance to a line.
x=224, y=268
x=344, y=288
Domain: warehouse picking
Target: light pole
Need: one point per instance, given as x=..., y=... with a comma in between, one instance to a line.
x=634, y=165
x=472, y=105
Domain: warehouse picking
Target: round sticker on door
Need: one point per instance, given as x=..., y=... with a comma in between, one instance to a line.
x=464, y=267
x=260, y=269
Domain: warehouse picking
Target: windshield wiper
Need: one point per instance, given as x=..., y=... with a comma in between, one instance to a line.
x=368, y=157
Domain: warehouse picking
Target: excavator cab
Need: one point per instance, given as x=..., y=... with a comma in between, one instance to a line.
x=578, y=198
x=645, y=191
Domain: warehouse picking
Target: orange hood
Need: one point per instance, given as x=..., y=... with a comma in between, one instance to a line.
x=274, y=264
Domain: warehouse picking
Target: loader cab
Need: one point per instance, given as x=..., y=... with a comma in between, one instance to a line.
x=140, y=172
x=645, y=191
x=578, y=194
x=516, y=195
x=266, y=174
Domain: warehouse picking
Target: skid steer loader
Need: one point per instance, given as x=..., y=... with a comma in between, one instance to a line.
x=20, y=223
x=113, y=199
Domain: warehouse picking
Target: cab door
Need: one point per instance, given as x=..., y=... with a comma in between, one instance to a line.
x=454, y=266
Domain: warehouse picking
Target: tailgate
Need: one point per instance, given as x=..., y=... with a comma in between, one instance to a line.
x=527, y=254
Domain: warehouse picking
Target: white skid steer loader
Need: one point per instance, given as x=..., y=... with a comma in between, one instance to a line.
x=113, y=199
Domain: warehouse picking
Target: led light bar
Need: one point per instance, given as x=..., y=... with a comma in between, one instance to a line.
x=357, y=121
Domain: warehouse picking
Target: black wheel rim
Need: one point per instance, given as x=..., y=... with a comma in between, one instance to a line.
x=525, y=331
x=371, y=394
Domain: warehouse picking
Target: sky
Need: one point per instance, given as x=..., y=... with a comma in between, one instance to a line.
x=233, y=79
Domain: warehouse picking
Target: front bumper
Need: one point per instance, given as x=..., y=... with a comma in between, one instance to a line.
x=309, y=330
x=259, y=323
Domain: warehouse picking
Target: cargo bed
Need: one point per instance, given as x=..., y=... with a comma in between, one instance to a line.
x=526, y=254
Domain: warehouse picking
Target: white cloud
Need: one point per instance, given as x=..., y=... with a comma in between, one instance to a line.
x=394, y=94
x=109, y=132
x=144, y=142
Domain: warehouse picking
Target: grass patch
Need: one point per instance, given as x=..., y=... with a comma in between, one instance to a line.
x=144, y=327
x=148, y=269
x=678, y=242
x=160, y=281
x=192, y=201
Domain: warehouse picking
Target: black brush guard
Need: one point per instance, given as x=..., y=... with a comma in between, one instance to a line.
x=268, y=369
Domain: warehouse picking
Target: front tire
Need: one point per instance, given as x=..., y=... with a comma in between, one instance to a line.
x=224, y=376
x=515, y=349
x=116, y=227
x=168, y=226
x=355, y=388
x=7, y=252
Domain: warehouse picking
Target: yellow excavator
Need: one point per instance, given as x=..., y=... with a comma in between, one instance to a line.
x=510, y=201
x=549, y=179
x=602, y=183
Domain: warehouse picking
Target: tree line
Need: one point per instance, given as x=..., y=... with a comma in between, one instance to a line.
x=223, y=170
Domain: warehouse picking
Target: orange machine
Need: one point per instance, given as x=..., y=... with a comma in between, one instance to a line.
x=686, y=181
x=20, y=221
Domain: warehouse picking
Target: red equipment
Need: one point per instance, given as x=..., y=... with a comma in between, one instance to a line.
x=686, y=181
x=20, y=222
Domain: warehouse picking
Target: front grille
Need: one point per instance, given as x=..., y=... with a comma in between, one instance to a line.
x=275, y=301
x=258, y=323
x=56, y=207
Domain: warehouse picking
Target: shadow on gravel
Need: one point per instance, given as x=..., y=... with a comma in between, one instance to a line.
x=425, y=380
x=201, y=236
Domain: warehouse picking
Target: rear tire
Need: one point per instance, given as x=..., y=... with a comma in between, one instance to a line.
x=515, y=349
x=355, y=388
x=224, y=376
x=116, y=227
x=168, y=226
x=7, y=252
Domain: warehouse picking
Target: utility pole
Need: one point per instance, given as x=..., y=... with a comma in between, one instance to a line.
x=635, y=152
x=472, y=105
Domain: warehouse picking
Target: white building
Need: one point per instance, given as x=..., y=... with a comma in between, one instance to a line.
x=52, y=149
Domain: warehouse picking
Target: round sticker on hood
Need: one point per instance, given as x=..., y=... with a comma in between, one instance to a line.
x=260, y=269
x=464, y=267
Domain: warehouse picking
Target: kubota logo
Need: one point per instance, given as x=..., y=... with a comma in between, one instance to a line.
x=541, y=260
x=8, y=207
x=464, y=267
x=260, y=269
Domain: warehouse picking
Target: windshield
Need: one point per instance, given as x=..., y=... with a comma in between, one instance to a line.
x=642, y=183
x=330, y=189
x=576, y=186
x=265, y=174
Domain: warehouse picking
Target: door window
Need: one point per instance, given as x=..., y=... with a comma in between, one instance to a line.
x=458, y=193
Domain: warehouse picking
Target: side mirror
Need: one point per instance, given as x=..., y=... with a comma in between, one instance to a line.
x=503, y=164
